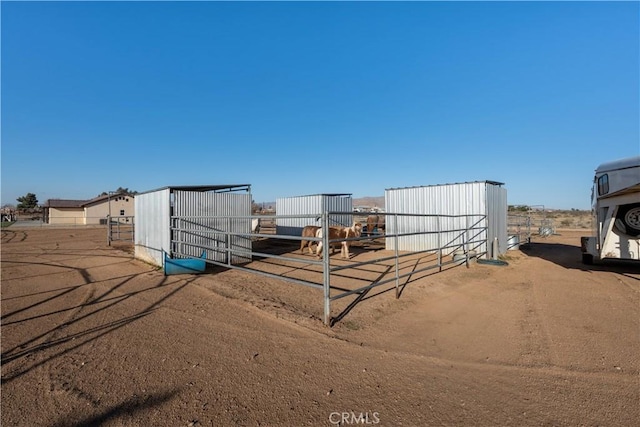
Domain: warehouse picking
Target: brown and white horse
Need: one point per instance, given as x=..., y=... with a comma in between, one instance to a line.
x=308, y=231
x=340, y=233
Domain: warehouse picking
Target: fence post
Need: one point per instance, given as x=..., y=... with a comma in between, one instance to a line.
x=108, y=230
x=397, y=267
x=176, y=234
x=326, y=272
x=438, y=228
x=228, y=238
x=466, y=240
x=175, y=239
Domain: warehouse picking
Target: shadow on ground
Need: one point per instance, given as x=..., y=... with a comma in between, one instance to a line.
x=569, y=256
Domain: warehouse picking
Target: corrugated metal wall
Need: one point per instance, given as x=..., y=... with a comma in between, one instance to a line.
x=208, y=232
x=480, y=198
x=313, y=205
x=152, y=232
x=497, y=216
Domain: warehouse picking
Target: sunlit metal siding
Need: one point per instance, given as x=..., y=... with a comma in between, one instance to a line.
x=482, y=198
x=312, y=206
x=497, y=217
x=152, y=232
x=213, y=211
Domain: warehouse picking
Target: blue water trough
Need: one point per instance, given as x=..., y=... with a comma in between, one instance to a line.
x=184, y=265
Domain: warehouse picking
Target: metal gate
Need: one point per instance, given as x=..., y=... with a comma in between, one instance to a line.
x=120, y=228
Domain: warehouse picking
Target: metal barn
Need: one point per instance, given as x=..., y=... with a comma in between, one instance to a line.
x=184, y=221
x=478, y=210
x=294, y=213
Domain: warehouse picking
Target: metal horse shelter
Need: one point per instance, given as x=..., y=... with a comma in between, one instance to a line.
x=182, y=221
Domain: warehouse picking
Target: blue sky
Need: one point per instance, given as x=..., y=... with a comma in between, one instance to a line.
x=299, y=98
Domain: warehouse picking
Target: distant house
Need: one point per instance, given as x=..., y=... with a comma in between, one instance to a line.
x=117, y=205
x=87, y=212
x=62, y=211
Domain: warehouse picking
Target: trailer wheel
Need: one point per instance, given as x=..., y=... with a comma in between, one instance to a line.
x=629, y=216
x=587, y=259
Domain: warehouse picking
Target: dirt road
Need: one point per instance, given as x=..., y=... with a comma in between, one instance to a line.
x=91, y=336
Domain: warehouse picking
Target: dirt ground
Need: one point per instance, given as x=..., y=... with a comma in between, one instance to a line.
x=91, y=336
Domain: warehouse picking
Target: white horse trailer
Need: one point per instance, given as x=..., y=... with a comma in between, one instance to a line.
x=616, y=210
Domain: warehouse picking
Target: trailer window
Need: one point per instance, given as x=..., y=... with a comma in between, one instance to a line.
x=603, y=185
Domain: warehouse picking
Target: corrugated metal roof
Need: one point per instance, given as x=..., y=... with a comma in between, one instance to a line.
x=451, y=183
x=322, y=194
x=227, y=187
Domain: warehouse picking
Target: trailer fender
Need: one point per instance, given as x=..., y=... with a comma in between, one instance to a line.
x=628, y=219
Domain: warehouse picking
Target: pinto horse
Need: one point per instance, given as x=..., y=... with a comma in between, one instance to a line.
x=340, y=233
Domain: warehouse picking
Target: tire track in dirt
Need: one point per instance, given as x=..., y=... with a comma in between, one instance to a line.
x=8, y=236
x=37, y=351
x=61, y=385
x=59, y=377
x=93, y=351
x=535, y=346
x=49, y=337
x=95, y=310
